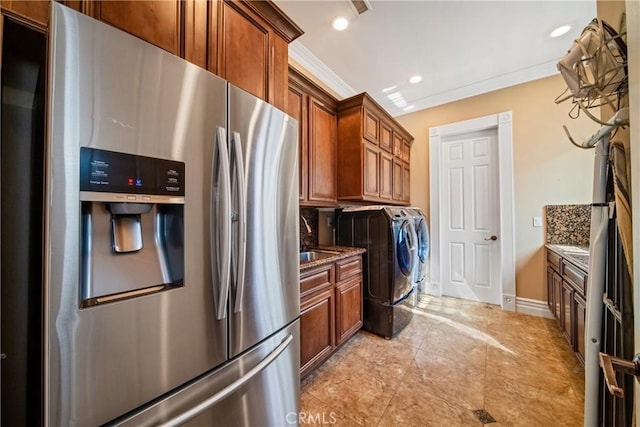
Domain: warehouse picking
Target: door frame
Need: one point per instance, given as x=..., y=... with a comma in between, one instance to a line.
x=503, y=123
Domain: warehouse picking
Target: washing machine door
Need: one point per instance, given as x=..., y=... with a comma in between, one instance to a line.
x=423, y=240
x=405, y=248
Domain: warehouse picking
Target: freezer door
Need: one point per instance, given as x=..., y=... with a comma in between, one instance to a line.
x=111, y=91
x=265, y=295
x=260, y=388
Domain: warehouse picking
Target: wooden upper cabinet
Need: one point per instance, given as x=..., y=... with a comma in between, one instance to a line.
x=386, y=176
x=406, y=183
x=32, y=12
x=397, y=180
x=397, y=145
x=315, y=111
x=322, y=153
x=253, y=48
x=197, y=35
x=158, y=22
x=386, y=137
x=297, y=108
x=245, y=42
x=371, y=156
x=406, y=150
x=371, y=166
x=370, y=125
x=243, y=56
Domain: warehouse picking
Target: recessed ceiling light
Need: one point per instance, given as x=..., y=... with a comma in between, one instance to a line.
x=415, y=79
x=408, y=108
x=340, y=23
x=560, y=31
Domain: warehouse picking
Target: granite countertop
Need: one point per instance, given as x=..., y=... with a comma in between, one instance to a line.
x=344, y=252
x=577, y=255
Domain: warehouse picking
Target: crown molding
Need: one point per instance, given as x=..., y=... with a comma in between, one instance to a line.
x=326, y=75
x=500, y=82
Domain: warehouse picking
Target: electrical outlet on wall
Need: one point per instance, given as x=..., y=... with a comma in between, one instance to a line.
x=537, y=221
x=330, y=221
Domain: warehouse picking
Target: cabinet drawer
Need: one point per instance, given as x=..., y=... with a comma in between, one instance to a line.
x=553, y=259
x=575, y=276
x=348, y=268
x=316, y=279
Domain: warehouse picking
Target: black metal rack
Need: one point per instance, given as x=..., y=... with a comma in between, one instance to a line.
x=617, y=326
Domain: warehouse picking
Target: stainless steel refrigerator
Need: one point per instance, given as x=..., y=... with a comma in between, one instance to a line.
x=171, y=274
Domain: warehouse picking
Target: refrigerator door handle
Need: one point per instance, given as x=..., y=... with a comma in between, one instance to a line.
x=242, y=221
x=220, y=244
x=231, y=388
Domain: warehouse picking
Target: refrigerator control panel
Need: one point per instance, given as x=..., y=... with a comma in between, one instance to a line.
x=114, y=172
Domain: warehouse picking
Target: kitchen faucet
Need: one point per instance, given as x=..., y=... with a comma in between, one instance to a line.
x=306, y=224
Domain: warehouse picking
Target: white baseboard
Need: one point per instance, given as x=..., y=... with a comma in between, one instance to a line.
x=533, y=307
x=430, y=288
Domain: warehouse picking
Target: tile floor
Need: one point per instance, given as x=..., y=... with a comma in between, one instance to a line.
x=454, y=358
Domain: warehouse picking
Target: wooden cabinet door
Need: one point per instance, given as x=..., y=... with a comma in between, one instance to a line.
x=317, y=329
x=557, y=292
x=386, y=137
x=397, y=145
x=200, y=22
x=34, y=11
x=243, y=50
x=158, y=22
x=567, y=311
x=371, y=170
x=386, y=176
x=297, y=108
x=550, y=302
x=406, y=183
x=406, y=151
x=278, y=72
x=348, y=308
x=322, y=154
x=370, y=126
x=580, y=312
x=397, y=180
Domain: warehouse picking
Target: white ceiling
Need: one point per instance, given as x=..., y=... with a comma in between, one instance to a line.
x=461, y=48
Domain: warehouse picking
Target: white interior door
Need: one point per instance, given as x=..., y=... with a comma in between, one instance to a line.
x=470, y=247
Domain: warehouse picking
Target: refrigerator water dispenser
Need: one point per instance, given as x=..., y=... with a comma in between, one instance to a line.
x=132, y=225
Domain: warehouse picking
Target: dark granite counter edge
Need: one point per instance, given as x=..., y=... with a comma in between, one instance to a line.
x=345, y=252
x=562, y=251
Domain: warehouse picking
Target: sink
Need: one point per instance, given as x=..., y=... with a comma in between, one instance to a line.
x=316, y=255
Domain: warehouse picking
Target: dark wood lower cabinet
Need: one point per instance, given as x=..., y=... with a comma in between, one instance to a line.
x=566, y=290
x=316, y=330
x=566, y=318
x=348, y=308
x=330, y=309
x=557, y=297
x=580, y=313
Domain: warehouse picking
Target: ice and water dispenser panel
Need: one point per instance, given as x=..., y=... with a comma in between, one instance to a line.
x=132, y=225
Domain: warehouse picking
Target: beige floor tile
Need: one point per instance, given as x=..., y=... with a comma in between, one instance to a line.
x=415, y=405
x=517, y=404
x=454, y=357
x=315, y=412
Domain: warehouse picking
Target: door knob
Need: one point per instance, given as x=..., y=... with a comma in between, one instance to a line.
x=494, y=238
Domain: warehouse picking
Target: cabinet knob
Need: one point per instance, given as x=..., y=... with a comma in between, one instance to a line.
x=611, y=364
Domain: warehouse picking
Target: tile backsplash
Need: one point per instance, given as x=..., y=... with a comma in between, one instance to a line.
x=308, y=240
x=568, y=224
